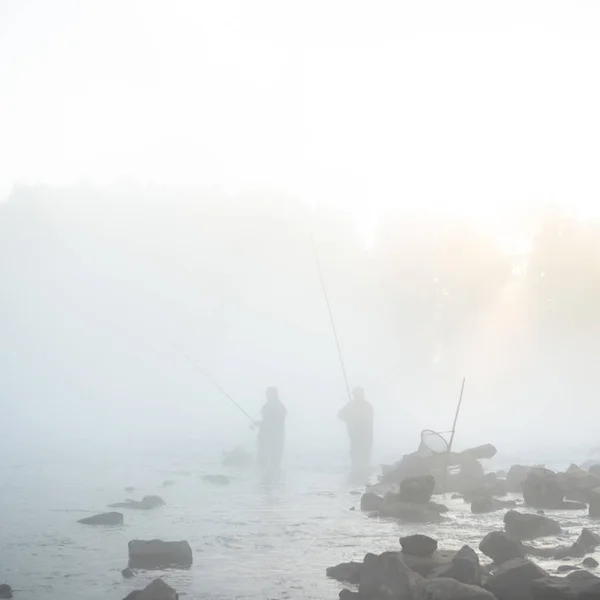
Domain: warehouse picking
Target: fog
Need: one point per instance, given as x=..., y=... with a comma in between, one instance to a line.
x=164, y=165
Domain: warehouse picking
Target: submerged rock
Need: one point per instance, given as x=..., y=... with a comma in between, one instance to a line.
x=567, y=568
x=157, y=554
x=417, y=490
x=590, y=563
x=418, y=545
x=216, y=479
x=346, y=572
x=490, y=504
x=146, y=503
x=127, y=573
x=575, y=550
x=501, y=548
x=109, y=518
x=5, y=591
x=157, y=590
x=513, y=579
x=449, y=589
x=524, y=526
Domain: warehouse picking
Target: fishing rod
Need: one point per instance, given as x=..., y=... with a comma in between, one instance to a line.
x=460, y=398
x=331, y=319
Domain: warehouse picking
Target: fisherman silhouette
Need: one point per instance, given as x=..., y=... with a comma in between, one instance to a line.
x=271, y=433
x=358, y=416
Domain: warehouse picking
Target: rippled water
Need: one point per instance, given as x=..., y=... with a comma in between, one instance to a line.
x=250, y=540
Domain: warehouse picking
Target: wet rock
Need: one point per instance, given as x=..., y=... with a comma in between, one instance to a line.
x=590, y=563
x=346, y=572
x=542, y=489
x=513, y=579
x=371, y=502
x=567, y=568
x=457, y=497
x=501, y=548
x=109, y=518
x=490, y=504
x=418, y=545
x=410, y=513
x=157, y=590
x=146, y=503
x=574, y=551
x=127, y=573
x=464, y=568
x=577, y=585
x=594, y=498
x=539, y=552
x=515, y=477
x=216, y=479
x=417, y=490
x=588, y=539
x=348, y=595
x=5, y=591
x=524, y=526
x=449, y=589
x=426, y=566
x=386, y=577
x=157, y=554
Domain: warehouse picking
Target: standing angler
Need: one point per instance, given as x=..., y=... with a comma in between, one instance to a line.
x=358, y=416
x=271, y=433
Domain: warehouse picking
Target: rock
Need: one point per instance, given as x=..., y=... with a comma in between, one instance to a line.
x=417, y=490
x=457, y=497
x=109, y=518
x=490, y=504
x=449, y=589
x=501, y=548
x=216, y=479
x=156, y=554
x=539, y=552
x=513, y=579
x=157, y=590
x=590, y=563
x=410, y=513
x=542, y=489
x=515, y=477
x=127, y=573
x=386, y=577
x=595, y=470
x=5, y=591
x=418, y=545
x=348, y=595
x=577, y=585
x=426, y=566
x=371, y=502
x=146, y=503
x=594, y=499
x=574, y=551
x=464, y=568
x=567, y=568
x=528, y=527
x=588, y=539
x=346, y=572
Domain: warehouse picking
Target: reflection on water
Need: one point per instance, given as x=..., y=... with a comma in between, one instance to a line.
x=255, y=538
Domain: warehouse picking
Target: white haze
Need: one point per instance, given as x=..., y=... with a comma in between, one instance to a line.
x=206, y=134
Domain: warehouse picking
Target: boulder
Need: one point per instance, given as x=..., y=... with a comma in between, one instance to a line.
x=157, y=554
x=417, y=490
x=501, y=548
x=513, y=579
x=594, y=499
x=386, y=577
x=346, y=572
x=109, y=518
x=426, y=566
x=573, y=551
x=371, y=502
x=523, y=526
x=542, y=489
x=590, y=563
x=588, y=539
x=567, y=568
x=464, y=567
x=441, y=588
x=5, y=591
x=515, y=477
x=577, y=585
x=127, y=573
x=157, y=590
x=490, y=504
x=146, y=503
x=418, y=545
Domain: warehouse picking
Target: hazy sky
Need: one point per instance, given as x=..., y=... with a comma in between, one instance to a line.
x=459, y=106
